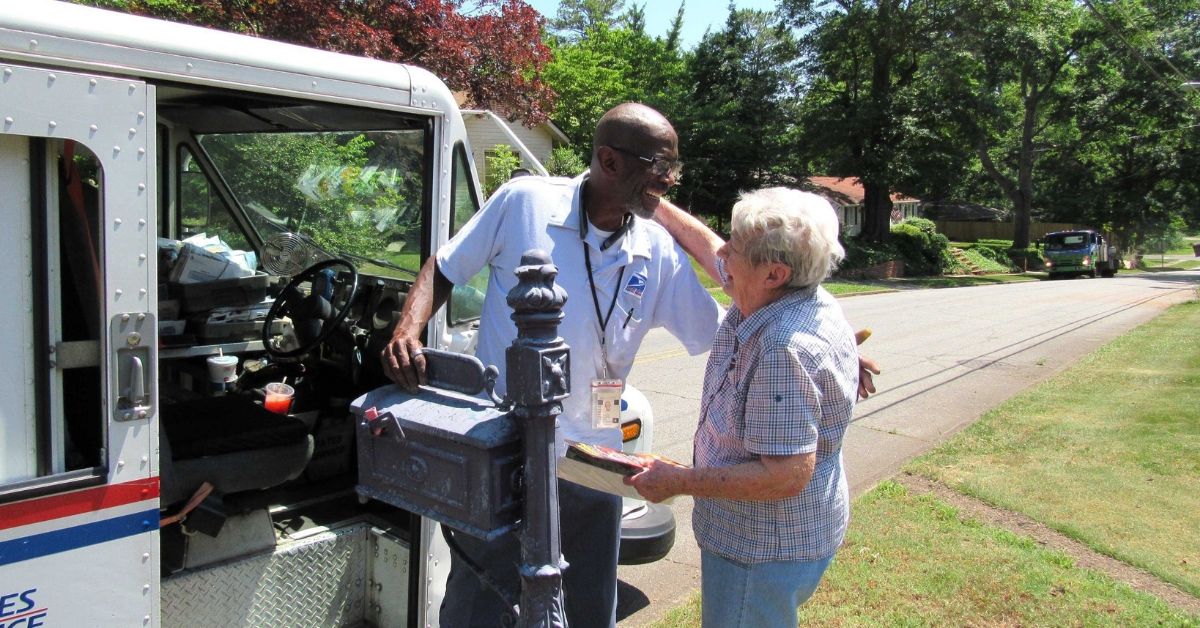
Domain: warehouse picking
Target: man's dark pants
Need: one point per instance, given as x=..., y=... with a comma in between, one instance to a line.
x=590, y=524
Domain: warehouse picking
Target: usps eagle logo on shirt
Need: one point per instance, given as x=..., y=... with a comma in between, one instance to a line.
x=636, y=285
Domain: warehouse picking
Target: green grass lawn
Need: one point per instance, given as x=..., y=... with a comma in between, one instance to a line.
x=914, y=561
x=1105, y=452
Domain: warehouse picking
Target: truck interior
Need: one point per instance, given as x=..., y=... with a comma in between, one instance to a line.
x=333, y=203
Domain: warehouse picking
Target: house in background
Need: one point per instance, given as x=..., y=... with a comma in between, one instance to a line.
x=846, y=195
x=487, y=130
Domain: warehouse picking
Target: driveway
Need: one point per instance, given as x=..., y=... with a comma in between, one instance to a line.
x=948, y=356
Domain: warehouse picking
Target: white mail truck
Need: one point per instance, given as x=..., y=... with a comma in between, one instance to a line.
x=189, y=216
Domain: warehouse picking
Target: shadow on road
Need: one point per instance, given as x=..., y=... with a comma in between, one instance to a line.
x=630, y=600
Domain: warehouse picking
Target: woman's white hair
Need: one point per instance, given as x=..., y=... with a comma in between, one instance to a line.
x=799, y=229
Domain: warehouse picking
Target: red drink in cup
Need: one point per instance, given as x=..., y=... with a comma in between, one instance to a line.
x=278, y=398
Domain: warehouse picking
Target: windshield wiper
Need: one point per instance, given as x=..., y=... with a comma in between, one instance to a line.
x=378, y=262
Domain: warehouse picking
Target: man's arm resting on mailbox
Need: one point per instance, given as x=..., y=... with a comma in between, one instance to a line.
x=402, y=359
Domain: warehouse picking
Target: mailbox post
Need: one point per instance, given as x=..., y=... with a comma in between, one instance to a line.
x=538, y=372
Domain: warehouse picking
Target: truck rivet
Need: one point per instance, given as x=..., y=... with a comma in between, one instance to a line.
x=7, y=72
x=50, y=78
x=120, y=463
x=145, y=588
x=53, y=124
x=189, y=67
x=145, y=459
x=142, y=315
x=8, y=120
x=142, y=292
x=141, y=222
x=93, y=128
x=141, y=187
x=33, y=43
x=116, y=149
x=141, y=115
x=145, y=555
x=92, y=82
x=124, y=317
x=118, y=293
x=117, y=222
x=132, y=131
x=141, y=151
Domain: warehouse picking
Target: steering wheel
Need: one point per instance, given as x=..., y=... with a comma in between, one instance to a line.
x=313, y=318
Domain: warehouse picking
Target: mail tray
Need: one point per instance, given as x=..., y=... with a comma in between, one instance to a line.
x=237, y=292
x=451, y=458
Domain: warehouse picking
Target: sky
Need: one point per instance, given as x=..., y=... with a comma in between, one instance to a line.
x=698, y=15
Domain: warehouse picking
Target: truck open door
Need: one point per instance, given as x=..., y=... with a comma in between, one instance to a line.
x=79, y=491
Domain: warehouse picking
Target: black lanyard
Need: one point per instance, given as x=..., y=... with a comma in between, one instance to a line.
x=626, y=222
x=587, y=260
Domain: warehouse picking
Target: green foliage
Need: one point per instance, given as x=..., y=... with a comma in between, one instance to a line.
x=981, y=257
x=501, y=161
x=565, y=162
x=920, y=245
x=346, y=191
x=861, y=253
x=609, y=66
x=736, y=125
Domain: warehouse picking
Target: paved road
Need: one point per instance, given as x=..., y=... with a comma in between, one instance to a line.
x=948, y=356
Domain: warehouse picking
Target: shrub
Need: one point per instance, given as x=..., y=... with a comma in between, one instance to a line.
x=861, y=254
x=924, y=250
x=565, y=162
x=501, y=161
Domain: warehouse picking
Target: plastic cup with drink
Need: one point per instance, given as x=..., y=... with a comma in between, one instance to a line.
x=278, y=397
x=222, y=373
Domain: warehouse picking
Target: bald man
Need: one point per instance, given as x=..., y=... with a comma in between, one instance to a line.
x=623, y=275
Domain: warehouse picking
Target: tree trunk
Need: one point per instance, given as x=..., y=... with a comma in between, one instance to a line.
x=877, y=205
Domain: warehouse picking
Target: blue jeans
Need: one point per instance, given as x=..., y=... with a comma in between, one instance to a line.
x=760, y=595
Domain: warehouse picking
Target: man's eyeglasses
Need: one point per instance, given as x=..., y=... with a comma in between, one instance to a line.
x=660, y=166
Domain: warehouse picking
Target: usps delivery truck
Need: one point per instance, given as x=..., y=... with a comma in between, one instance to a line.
x=162, y=185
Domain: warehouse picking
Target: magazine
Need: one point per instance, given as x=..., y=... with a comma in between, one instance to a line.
x=604, y=468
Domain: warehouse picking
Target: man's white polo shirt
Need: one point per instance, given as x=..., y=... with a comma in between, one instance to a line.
x=657, y=288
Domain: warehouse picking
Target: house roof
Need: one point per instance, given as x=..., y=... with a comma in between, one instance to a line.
x=460, y=97
x=846, y=190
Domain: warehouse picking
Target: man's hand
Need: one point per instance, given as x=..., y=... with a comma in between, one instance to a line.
x=866, y=367
x=866, y=383
x=403, y=360
x=661, y=480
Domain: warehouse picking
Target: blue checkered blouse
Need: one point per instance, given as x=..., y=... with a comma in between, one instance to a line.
x=780, y=382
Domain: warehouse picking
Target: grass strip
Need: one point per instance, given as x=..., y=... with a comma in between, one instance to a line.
x=915, y=561
x=1105, y=452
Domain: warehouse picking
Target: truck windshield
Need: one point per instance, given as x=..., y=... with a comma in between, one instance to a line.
x=352, y=193
x=1066, y=241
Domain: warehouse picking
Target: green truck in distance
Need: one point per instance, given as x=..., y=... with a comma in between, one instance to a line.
x=1081, y=252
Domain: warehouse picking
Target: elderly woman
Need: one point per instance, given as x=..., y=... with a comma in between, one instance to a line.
x=771, y=503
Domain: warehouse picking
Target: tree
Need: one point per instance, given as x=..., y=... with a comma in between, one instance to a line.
x=495, y=55
x=864, y=56
x=576, y=18
x=606, y=68
x=736, y=119
x=1023, y=55
x=1128, y=163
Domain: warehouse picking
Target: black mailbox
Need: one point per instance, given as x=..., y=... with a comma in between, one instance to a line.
x=452, y=458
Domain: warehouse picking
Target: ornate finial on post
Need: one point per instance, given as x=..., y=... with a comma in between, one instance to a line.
x=539, y=378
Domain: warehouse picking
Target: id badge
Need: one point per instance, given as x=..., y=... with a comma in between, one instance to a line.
x=606, y=402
